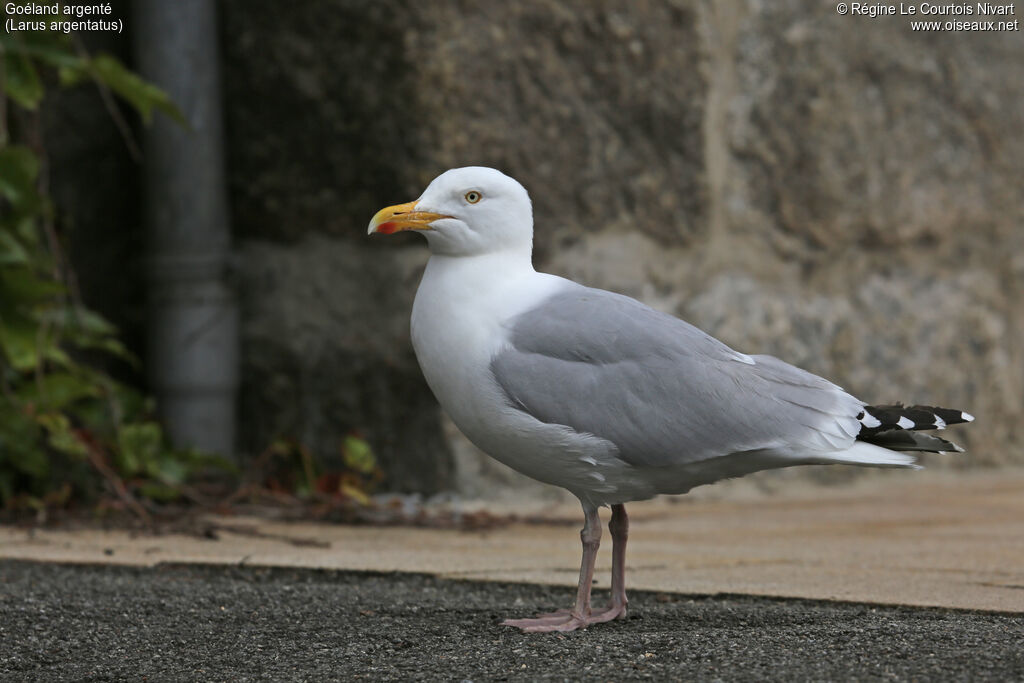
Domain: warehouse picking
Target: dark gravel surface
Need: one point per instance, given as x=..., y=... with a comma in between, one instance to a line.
x=63, y=622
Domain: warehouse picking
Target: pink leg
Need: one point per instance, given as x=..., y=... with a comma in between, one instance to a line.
x=581, y=615
x=619, y=527
x=572, y=619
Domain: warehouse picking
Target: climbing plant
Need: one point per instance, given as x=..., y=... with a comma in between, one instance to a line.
x=69, y=431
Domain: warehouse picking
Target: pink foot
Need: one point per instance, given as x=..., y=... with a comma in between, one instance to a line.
x=566, y=620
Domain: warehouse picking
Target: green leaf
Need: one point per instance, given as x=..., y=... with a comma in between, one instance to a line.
x=125, y=404
x=30, y=460
x=88, y=330
x=19, y=169
x=51, y=406
x=56, y=355
x=111, y=346
x=354, y=492
x=27, y=288
x=18, y=342
x=57, y=390
x=92, y=321
x=72, y=75
x=196, y=459
x=80, y=317
x=139, y=446
x=11, y=250
x=19, y=441
x=60, y=436
x=170, y=470
x=22, y=81
x=53, y=49
x=25, y=227
x=144, y=96
x=22, y=343
x=358, y=455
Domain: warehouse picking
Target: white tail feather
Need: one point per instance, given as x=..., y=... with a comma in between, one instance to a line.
x=870, y=455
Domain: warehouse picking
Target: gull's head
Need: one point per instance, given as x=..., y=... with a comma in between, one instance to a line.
x=465, y=211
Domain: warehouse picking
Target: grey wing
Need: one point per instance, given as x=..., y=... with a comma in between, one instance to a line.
x=661, y=390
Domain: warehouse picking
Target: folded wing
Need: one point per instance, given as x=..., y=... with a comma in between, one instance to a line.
x=664, y=392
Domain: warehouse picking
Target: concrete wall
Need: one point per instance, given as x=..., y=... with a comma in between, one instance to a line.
x=838, y=191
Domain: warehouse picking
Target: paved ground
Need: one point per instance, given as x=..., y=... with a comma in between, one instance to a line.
x=137, y=610
x=944, y=539
x=66, y=622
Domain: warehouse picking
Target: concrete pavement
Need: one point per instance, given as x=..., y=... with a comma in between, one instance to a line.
x=928, y=539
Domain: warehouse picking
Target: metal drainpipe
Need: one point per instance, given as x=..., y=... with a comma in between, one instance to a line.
x=193, y=326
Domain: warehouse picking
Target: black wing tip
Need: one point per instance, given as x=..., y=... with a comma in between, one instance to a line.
x=896, y=416
x=907, y=440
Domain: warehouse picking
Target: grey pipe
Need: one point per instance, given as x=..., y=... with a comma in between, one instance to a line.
x=193, y=328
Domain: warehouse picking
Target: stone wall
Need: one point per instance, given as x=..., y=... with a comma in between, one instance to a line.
x=841, y=192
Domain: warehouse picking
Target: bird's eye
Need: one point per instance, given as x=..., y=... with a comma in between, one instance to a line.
x=473, y=196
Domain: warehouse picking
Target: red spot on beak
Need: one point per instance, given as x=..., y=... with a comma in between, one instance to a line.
x=388, y=228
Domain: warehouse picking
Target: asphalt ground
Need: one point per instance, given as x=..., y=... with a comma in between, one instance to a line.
x=238, y=623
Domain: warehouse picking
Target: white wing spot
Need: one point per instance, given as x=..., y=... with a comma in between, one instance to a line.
x=904, y=423
x=939, y=423
x=967, y=416
x=870, y=421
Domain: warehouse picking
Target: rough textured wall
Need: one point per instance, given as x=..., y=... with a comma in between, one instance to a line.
x=884, y=169
x=318, y=125
x=838, y=191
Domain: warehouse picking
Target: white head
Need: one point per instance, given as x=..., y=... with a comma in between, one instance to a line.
x=464, y=212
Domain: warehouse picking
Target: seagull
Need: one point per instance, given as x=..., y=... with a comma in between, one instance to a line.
x=602, y=395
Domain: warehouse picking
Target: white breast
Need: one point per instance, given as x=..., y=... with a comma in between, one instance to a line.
x=458, y=325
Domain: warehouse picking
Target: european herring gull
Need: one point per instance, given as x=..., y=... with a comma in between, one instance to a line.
x=604, y=396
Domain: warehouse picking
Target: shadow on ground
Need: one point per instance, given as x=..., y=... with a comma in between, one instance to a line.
x=252, y=623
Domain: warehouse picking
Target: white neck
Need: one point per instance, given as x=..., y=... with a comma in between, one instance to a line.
x=476, y=294
x=489, y=268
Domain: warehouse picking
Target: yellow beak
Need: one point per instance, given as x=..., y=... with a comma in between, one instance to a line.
x=402, y=217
